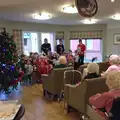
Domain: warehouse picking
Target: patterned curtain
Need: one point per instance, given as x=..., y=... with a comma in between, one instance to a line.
x=59, y=35
x=17, y=35
x=86, y=34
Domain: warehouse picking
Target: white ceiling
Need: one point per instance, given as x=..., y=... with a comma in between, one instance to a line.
x=22, y=10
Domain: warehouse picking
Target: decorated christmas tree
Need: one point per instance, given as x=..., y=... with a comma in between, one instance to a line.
x=8, y=60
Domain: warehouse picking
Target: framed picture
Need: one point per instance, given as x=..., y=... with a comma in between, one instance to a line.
x=117, y=39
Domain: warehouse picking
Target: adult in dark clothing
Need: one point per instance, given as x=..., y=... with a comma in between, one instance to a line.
x=60, y=47
x=46, y=46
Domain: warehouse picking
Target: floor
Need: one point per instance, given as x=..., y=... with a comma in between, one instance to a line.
x=37, y=107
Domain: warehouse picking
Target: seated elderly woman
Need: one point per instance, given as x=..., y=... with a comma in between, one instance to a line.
x=62, y=62
x=92, y=71
x=103, y=102
x=114, y=61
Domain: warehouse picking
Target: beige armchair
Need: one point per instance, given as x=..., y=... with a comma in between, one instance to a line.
x=77, y=96
x=103, y=66
x=54, y=81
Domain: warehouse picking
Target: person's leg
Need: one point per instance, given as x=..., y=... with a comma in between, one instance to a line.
x=79, y=61
x=82, y=59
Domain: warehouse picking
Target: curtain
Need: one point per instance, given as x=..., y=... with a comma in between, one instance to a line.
x=17, y=36
x=86, y=34
x=59, y=35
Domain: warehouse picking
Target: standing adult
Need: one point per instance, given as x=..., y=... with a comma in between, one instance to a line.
x=46, y=47
x=81, y=51
x=60, y=47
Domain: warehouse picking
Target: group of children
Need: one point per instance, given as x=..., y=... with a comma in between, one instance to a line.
x=41, y=64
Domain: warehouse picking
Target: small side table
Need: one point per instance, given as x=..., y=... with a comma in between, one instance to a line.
x=20, y=113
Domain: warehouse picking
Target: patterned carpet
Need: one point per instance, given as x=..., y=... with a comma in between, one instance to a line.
x=37, y=107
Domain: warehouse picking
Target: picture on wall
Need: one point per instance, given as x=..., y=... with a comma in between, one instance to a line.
x=117, y=39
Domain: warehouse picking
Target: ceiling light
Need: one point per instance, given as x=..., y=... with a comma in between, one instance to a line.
x=112, y=0
x=42, y=16
x=116, y=17
x=89, y=21
x=70, y=9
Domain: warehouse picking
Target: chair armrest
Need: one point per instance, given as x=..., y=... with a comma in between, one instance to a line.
x=75, y=96
x=69, y=85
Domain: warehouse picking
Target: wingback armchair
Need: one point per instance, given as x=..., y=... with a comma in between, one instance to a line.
x=53, y=82
x=77, y=96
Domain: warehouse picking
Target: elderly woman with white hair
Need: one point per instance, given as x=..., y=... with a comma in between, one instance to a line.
x=62, y=62
x=114, y=62
x=103, y=102
x=92, y=71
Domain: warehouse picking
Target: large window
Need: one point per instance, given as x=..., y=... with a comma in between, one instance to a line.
x=49, y=36
x=30, y=42
x=93, y=48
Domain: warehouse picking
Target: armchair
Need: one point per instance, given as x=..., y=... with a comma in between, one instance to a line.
x=77, y=96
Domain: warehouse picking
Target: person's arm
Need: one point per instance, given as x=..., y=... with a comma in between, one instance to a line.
x=42, y=48
x=98, y=100
x=63, y=48
x=57, y=49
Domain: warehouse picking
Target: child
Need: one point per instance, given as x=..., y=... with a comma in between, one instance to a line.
x=76, y=59
x=70, y=57
x=28, y=72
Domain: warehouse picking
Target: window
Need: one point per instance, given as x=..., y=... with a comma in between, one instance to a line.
x=25, y=41
x=93, y=48
x=49, y=36
x=31, y=43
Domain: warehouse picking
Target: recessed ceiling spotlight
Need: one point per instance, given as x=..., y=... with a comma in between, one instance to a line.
x=42, y=16
x=116, y=17
x=89, y=21
x=112, y=0
x=70, y=9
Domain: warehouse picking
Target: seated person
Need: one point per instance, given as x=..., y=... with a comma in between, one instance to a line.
x=62, y=62
x=114, y=64
x=70, y=57
x=43, y=65
x=103, y=102
x=92, y=71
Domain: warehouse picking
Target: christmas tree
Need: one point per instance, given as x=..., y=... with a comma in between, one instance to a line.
x=8, y=60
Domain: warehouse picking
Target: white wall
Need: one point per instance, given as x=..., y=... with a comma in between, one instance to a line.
x=111, y=48
x=36, y=27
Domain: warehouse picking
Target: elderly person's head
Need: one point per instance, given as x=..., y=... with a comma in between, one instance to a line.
x=63, y=60
x=93, y=68
x=114, y=60
x=113, y=80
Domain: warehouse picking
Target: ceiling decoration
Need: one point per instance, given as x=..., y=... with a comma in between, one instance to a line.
x=87, y=8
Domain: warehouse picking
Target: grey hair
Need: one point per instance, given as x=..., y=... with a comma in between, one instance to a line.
x=114, y=59
x=113, y=80
x=93, y=68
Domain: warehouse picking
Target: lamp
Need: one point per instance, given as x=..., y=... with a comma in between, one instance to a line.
x=89, y=21
x=42, y=16
x=70, y=9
